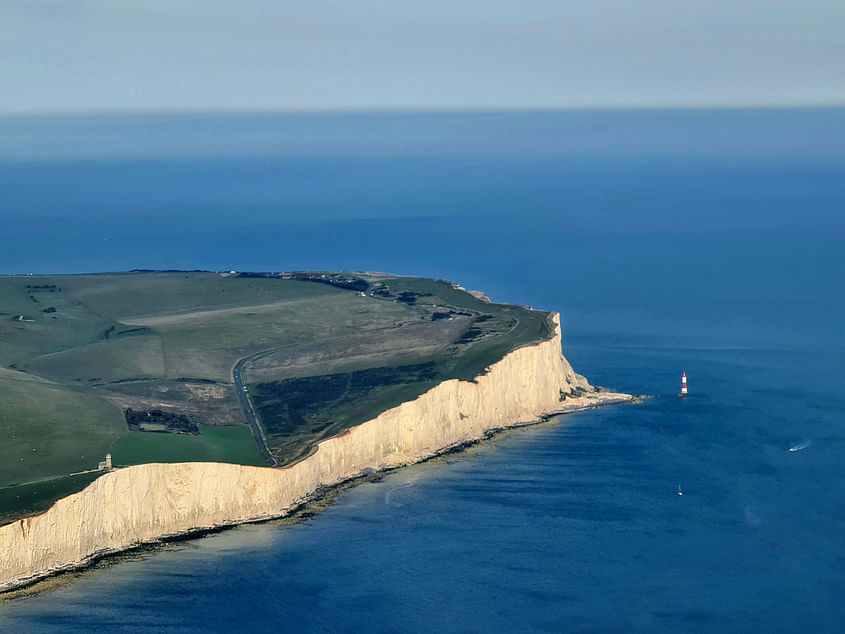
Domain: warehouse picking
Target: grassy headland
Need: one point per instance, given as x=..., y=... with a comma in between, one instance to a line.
x=84, y=358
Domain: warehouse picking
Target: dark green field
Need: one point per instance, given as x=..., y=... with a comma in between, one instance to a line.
x=296, y=413
x=319, y=352
x=213, y=444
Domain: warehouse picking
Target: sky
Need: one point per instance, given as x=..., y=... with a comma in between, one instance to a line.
x=276, y=55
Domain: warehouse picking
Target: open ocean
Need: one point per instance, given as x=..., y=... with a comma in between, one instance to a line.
x=704, y=241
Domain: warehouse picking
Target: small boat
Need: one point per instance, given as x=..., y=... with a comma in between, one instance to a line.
x=801, y=445
x=679, y=490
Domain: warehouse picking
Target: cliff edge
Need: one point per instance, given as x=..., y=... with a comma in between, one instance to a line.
x=148, y=502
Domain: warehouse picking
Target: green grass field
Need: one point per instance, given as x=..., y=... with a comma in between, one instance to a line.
x=124, y=296
x=214, y=444
x=126, y=357
x=48, y=430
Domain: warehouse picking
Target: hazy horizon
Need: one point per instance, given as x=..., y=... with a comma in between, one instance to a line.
x=712, y=134
x=410, y=110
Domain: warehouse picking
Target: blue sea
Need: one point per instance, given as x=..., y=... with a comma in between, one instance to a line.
x=705, y=241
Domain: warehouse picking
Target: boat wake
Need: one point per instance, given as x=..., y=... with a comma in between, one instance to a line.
x=801, y=445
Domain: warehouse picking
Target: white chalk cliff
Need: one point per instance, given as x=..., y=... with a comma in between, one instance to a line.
x=147, y=502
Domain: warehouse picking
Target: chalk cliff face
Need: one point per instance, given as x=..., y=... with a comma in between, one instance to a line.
x=151, y=501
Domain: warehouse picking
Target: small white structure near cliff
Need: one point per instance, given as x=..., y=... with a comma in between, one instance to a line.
x=105, y=465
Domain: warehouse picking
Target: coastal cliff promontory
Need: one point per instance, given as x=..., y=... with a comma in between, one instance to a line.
x=148, y=502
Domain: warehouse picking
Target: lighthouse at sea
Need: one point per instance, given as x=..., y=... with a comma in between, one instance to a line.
x=683, y=385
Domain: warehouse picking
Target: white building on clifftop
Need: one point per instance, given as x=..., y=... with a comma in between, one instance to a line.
x=105, y=465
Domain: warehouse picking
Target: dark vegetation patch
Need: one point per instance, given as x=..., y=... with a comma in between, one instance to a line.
x=338, y=280
x=131, y=330
x=472, y=333
x=169, y=271
x=43, y=288
x=113, y=331
x=157, y=420
x=345, y=282
x=297, y=413
x=437, y=315
x=406, y=297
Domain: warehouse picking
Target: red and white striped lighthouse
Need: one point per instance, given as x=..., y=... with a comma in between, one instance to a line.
x=684, y=384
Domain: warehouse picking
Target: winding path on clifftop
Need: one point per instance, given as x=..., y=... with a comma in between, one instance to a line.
x=249, y=410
